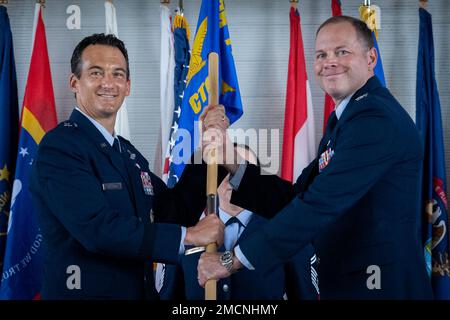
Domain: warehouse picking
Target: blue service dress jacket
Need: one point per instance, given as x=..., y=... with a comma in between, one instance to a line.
x=296, y=278
x=95, y=207
x=357, y=202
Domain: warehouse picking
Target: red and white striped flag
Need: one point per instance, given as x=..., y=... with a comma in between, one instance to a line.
x=299, y=145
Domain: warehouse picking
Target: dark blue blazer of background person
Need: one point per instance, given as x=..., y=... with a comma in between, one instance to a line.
x=294, y=278
x=362, y=209
x=94, y=213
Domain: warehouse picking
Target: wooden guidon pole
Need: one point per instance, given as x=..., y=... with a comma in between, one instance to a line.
x=211, y=178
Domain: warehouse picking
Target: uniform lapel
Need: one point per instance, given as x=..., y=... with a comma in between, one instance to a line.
x=102, y=145
x=362, y=93
x=142, y=205
x=255, y=222
x=351, y=108
x=331, y=125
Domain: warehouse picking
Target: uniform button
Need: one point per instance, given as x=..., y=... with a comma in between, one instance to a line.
x=225, y=288
x=140, y=219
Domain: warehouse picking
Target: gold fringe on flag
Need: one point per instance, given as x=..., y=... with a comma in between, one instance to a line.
x=368, y=15
x=181, y=22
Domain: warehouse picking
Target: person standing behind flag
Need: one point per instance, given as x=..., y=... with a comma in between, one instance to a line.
x=96, y=198
x=296, y=280
x=356, y=202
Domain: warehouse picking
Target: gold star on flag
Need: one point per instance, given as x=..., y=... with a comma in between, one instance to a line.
x=4, y=173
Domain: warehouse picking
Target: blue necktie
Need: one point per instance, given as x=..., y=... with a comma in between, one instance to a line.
x=232, y=229
x=331, y=123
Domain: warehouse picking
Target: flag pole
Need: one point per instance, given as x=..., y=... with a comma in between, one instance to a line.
x=211, y=178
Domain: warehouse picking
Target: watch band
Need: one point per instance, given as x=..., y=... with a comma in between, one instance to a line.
x=226, y=260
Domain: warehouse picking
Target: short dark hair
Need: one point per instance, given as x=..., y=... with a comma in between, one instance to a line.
x=98, y=38
x=362, y=30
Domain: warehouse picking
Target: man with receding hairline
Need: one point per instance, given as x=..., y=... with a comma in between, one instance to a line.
x=357, y=202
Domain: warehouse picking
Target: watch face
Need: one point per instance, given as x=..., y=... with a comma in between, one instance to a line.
x=226, y=259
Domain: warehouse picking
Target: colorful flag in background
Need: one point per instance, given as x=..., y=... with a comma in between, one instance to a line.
x=434, y=186
x=122, y=126
x=22, y=271
x=299, y=147
x=369, y=16
x=329, y=103
x=9, y=122
x=212, y=35
x=166, y=276
x=181, y=34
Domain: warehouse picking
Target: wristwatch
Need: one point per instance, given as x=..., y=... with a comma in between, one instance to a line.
x=226, y=259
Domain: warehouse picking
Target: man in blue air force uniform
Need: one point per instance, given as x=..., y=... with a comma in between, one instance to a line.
x=357, y=202
x=96, y=197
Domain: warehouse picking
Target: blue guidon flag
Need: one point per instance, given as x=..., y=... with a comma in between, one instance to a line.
x=212, y=36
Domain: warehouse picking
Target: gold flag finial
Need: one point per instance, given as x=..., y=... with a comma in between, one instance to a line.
x=368, y=15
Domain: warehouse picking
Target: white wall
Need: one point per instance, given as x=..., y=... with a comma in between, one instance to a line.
x=260, y=37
